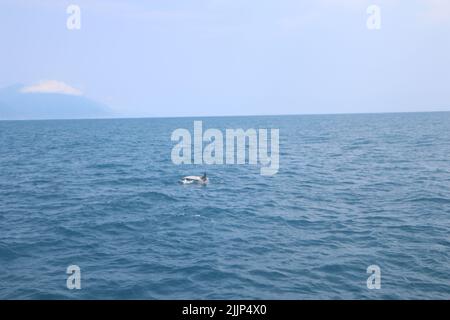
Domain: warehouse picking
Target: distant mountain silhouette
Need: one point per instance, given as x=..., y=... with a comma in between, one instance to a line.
x=16, y=105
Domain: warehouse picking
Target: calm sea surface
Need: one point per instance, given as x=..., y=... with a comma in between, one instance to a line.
x=352, y=191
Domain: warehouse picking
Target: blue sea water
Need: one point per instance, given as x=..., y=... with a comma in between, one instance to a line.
x=352, y=191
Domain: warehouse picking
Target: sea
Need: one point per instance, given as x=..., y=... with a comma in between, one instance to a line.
x=354, y=193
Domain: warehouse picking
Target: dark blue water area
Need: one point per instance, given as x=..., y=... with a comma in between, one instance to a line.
x=351, y=191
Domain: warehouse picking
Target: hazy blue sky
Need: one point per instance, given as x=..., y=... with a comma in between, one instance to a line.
x=224, y=57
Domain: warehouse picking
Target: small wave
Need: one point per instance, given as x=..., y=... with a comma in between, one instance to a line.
x=7, y=253
x=108, y=166
x=155, y=195
x=430, y=199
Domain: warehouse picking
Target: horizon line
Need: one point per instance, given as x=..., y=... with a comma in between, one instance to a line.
x=230, y=116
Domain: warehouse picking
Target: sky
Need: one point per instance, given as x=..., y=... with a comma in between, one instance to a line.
x=232, y=57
